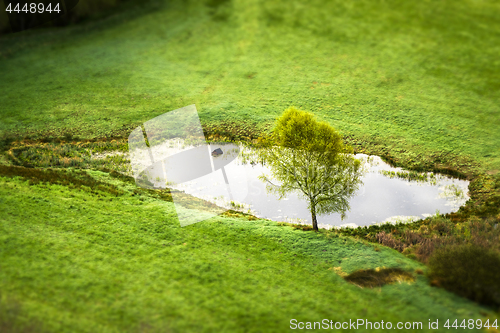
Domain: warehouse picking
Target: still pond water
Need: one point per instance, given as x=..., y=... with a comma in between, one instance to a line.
x=382, y=198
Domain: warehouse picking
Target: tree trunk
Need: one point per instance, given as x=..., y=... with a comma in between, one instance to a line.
x=313, y=215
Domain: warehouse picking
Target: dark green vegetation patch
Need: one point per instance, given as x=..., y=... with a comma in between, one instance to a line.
x=378, y=277
x=468, y=270
x=73, y=178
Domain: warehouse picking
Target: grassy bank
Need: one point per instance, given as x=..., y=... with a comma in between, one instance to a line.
x=77, y=260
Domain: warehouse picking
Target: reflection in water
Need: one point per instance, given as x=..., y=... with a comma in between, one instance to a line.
x=387, y=195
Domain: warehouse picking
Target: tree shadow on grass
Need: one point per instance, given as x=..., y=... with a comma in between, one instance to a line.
x=378, y=277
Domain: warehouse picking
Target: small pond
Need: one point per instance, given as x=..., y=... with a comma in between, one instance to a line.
x=385, y=196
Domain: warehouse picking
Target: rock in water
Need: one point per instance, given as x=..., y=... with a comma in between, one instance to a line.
x=217, y=152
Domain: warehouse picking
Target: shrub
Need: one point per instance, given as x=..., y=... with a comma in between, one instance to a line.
x=468, y=270
x=387, y=239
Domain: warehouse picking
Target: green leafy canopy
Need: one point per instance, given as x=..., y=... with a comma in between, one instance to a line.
x=300, y=130
x=309, y=157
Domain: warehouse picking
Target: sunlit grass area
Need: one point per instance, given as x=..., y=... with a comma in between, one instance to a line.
x=418, y=77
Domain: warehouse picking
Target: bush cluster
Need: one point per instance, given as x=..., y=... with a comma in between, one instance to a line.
x=468, y=270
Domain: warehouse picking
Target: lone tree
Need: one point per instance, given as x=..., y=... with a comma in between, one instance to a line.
x=309, y=157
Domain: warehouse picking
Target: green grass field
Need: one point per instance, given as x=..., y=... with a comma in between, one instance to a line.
x=417, y=81
x=421, y=77
x=73, y=261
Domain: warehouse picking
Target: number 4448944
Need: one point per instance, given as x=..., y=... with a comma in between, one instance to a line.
x=33, y=8
x=471, y=324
